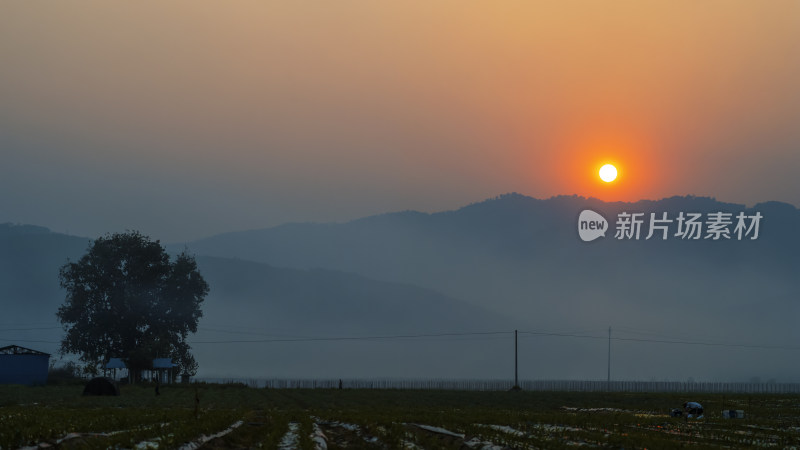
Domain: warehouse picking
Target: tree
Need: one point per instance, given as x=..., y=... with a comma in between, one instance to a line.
x=126, y=298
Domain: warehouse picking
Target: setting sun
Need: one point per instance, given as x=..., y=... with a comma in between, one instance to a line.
x=608, y=173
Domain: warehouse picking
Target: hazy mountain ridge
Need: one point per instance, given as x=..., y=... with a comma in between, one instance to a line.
x=252, y=301
x=331, y=301
x=288, y=304
x=512, y=256
x=506, y=232
x=30, y=257
x=522, y=256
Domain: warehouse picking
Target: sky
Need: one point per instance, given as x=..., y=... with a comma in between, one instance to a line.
x=184, y=119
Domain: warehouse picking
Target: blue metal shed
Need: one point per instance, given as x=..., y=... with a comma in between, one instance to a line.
x=20, y=365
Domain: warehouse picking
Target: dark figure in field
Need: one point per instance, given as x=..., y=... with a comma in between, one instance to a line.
x=196, y=402
x=340, y=383
x=693, y=409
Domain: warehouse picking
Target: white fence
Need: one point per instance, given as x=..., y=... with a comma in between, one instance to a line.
x=529, y=385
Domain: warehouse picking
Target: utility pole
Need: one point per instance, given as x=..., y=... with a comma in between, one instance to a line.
x=609, y=357
x=516, y=372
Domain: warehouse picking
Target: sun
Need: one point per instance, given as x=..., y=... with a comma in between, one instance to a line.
x=608, y=173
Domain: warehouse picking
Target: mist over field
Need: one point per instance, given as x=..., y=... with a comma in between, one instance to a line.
x=511, y=262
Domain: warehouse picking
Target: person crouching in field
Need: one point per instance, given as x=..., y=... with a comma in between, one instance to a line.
x=693, y=409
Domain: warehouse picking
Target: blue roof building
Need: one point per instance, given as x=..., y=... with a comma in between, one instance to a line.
x=115, y=363
x=20, y=365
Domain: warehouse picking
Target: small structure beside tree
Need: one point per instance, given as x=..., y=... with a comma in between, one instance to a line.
x=114, y=364
x=165, y=370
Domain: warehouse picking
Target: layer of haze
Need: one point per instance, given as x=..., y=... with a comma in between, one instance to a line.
x=187, y=118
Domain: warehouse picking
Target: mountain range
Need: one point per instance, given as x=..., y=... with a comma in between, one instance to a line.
x=511, y=262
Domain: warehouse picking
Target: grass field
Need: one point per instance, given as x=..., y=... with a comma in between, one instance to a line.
x=374, y=419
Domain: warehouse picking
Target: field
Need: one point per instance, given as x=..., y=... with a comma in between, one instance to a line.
x=236, y=416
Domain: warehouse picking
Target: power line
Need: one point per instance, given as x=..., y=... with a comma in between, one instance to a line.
x=712, y=344
x=487, y=334
x=675, y=334
x=549, y=333
x=355, y=338
x=253, y=333
x=29, y=329
x=32, y=341
x=666, y=341
x=205, y=324
x=495, y=333
x=28, y=324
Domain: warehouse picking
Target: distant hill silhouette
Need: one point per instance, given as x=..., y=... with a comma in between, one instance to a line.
x=511, y=237
x=253, y=301
x=522, y=256
x=504, y=263
x=275, y=303
x=30, y=257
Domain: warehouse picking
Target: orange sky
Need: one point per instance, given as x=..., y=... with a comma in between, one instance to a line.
x=277, y=111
